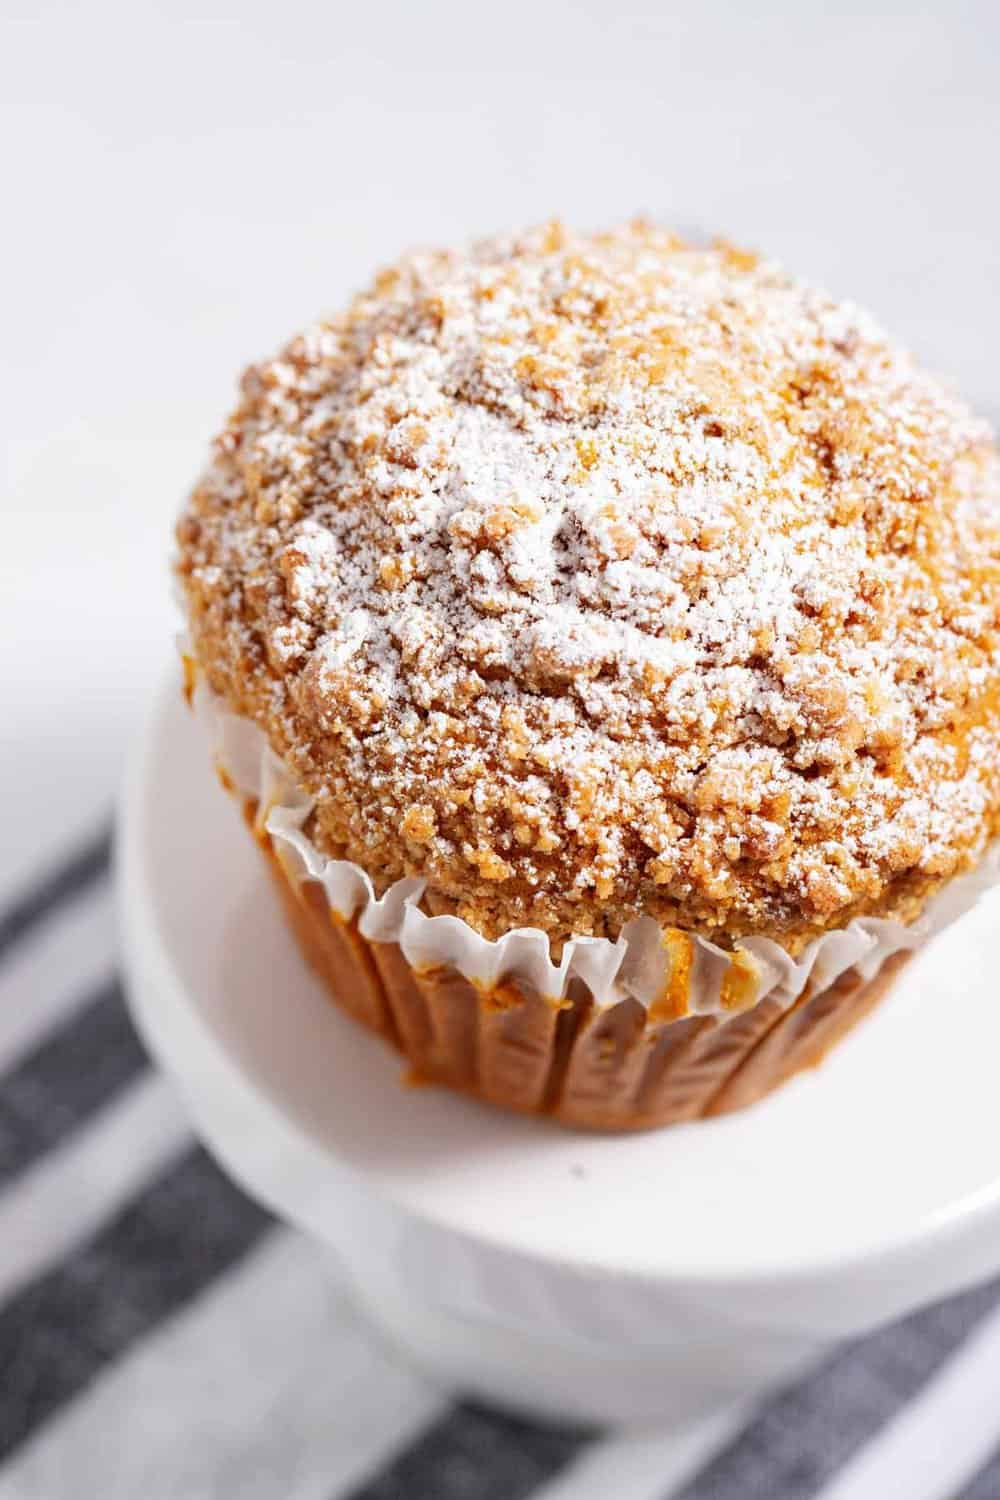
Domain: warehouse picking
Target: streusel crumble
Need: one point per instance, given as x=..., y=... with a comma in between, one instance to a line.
x=596, y=575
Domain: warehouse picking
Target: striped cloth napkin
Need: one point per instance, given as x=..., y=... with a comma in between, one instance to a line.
x=162, y=1336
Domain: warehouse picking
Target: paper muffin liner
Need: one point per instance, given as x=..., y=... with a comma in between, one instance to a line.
x=659, y=1025
x=661, y=969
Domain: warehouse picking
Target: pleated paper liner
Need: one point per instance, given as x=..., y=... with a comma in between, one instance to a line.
x=618, y=1067
x=656, y=1026
x=670, y=973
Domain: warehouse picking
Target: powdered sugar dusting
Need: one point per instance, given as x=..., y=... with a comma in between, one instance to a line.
x=589, y=576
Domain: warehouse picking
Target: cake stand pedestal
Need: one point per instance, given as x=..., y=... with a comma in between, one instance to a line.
x=659, y=1277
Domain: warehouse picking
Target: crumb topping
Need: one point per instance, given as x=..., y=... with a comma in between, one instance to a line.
x=595, y=575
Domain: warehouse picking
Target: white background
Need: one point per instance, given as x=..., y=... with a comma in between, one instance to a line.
x=182, y=187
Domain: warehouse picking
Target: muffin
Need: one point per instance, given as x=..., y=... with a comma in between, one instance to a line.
x=605, y=634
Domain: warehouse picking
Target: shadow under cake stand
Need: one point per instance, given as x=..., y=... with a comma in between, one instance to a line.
x=627, y=1279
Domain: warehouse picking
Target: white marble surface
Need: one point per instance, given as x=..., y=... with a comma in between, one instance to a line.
x=183, y=185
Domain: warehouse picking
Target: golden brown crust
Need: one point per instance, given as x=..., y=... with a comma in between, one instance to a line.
x=593, y=576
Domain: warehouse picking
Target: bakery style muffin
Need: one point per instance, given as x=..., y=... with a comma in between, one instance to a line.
x=620, y=622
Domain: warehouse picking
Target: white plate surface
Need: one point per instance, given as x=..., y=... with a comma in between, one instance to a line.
x=893, y=1143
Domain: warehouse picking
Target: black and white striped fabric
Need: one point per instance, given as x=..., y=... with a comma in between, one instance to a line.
x=161, y=1336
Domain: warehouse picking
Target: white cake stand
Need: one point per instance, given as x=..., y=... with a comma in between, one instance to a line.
x=625, y=1279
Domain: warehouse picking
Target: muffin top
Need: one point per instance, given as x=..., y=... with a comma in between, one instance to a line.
x=596, y=575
